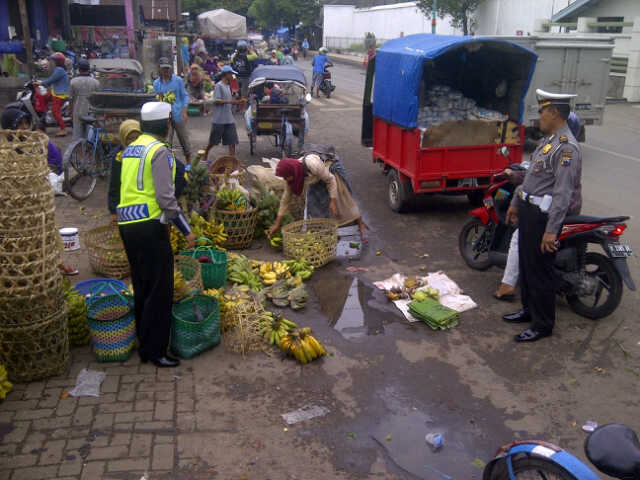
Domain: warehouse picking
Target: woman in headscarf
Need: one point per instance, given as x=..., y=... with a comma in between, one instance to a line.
x=129, y=132
x=211, y=66
x=321, y=178
x=195, y=84
x=274, y=58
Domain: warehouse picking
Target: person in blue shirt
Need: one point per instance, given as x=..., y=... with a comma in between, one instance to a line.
x=319, y=62
x=168, y=82
x=59, y=82
x=305, y=47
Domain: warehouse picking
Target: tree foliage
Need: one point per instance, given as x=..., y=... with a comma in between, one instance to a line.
x=460, y=11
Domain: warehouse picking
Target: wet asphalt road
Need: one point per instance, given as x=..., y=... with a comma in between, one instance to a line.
x=387, y=382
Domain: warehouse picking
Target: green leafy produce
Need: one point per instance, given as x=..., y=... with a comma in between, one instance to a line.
x=198, y=177
x=78, y=326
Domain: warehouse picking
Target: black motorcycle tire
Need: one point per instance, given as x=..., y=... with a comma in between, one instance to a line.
x=473, y=225
x=524, y=466
x=615, y=293
x=327, y=90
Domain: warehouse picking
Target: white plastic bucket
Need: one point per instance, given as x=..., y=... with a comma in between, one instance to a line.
x=70, y=238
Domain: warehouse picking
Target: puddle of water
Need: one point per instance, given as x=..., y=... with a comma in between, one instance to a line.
x=351, y=307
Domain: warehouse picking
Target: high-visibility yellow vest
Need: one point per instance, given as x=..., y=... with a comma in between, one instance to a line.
x=137, y=193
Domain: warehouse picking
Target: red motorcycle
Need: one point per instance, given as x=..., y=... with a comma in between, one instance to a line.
x=590, y=281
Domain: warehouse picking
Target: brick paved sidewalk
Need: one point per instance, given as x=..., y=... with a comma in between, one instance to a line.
x=129, y=429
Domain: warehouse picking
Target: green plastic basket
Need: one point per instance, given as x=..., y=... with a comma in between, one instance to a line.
x=195, y=326
x=214, y=274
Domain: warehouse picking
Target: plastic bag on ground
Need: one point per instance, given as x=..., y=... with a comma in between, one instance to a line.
x=88, y=383
x=56, y=182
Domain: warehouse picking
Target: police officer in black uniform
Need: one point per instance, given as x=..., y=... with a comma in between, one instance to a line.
x=540, y=207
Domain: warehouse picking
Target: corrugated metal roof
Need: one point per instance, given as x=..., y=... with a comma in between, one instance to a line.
x=573, y=10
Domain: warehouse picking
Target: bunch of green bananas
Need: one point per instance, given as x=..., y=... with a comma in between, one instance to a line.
x=302, y=345
x=5, y=384
x=275, y=327
x=198, y=178
x=276, y=240
x=231, y=199
x=168, y=97
x=79, y=333
x=300, y=267
x=240, y=271
x=177, y=240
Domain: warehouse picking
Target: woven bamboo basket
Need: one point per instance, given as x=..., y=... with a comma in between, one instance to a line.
x=29, y=244
x=34, y=308
x=241, y=327
x=23, y=151
x=314, y=240
x=191, y=272
x=239, y=226
x=106, y=252
x=36, y=351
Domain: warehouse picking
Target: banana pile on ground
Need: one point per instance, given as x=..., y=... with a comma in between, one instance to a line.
x=5, y=384
x=231, y=199
x=270, y=272
x=300, y=267
x=79, y=333
x=275, y=327
x=290, y=292
x=302, y=345
x=240, y=271
x=424, y=293
x=168, y=97
x=208, y=229
x=180, y=288
x=197, y=179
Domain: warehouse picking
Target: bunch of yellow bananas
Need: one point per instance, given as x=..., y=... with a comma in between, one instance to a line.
x=271, y=272
x=5, y=384
x=178, y=243
x=202, y=228
x=275, y=327
x=180, y=288
x=231, y=199
x=212, y=292
x=302, y=345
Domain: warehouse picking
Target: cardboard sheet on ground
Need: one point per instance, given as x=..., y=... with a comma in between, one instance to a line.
x=450, y=293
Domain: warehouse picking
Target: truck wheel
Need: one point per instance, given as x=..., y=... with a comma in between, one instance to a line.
x=475, y=198
x=400, y=193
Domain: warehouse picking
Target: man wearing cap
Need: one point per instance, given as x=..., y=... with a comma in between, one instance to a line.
x=539, y=207
x=223, y=128
x=168, y=82
x=147, y=204
x=80, y=88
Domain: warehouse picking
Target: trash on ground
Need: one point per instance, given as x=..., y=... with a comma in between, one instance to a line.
x=589, y=426
x=357, y=269
x=400, y=290
x=351, y=435
x=88, y=383
x=479, y=463
x=304, y=413
x=388, y=438
x=435, y=440
x=379, y=252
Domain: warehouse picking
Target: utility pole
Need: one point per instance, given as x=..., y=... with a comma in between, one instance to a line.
x=433, y=20
x=178, y=38
x=128, y=14
x=26, y=32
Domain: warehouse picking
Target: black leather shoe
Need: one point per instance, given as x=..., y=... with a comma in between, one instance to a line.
x=171, y=357
x=165, y=362
x=519, y=317
x=143, y=358
x=531, y=336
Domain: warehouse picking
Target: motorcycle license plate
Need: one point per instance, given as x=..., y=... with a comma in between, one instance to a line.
x=618, y=250
x=265, y=125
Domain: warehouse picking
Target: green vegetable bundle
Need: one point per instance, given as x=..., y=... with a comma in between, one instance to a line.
x=78, y=326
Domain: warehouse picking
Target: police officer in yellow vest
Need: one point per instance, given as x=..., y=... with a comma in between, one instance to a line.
x=147, y=204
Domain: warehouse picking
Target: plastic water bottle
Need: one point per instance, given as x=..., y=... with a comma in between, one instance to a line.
x=435, y=440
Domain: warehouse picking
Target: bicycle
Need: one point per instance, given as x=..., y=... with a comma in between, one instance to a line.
x=86, y=160
x=613, y=449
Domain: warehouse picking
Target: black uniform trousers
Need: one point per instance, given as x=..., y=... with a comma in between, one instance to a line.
x=151, y=260
x=536, y=269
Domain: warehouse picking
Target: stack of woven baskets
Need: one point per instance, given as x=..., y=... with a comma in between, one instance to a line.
x=34, y=339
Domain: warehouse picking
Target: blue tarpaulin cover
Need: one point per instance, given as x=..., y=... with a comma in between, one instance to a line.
x=399, y=70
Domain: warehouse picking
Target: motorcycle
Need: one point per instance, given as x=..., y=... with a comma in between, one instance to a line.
x=613, y=449
x=581, y=276
x=32, y=101
x=326, y=86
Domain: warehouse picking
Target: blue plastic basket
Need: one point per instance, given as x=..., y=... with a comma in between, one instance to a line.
x=113, y=327
x=91, y=289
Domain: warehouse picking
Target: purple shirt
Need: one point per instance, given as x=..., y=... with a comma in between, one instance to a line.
x=54, y=158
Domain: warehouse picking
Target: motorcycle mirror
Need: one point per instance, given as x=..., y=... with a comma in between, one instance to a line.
x=308, y=97
x=504, y=151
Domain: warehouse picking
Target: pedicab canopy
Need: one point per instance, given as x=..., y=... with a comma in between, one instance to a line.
x=494, y=73
x=277, y=73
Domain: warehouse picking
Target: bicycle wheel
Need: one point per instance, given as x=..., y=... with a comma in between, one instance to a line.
x=79, y=176
x=532, y=468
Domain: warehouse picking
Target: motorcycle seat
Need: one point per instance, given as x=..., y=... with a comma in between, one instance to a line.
x=571, y=219
x=614, y=449
x=88, y=119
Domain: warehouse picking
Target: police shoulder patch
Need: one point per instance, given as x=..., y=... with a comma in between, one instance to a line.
x=170, y=157
x=567, y=154
x=563, y=139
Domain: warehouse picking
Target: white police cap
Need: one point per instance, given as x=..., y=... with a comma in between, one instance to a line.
x=547, y=98
x=155, y=111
